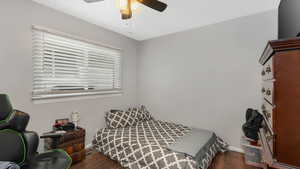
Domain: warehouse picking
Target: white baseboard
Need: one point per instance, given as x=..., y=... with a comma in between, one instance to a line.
x=88, y=146
x=236, y=149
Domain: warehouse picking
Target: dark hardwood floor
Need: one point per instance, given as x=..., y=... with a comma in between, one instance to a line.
x=228, y=160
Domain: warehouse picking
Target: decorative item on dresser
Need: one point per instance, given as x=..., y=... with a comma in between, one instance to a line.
x=75, y=116
x=280, y=135
x=73, y=142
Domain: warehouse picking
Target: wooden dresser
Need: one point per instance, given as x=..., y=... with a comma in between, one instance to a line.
x=73, y=142
x=280, y=135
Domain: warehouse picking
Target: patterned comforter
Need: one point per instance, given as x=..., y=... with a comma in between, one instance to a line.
x=144, y=146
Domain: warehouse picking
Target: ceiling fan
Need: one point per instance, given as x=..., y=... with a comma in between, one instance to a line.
x=126, y=6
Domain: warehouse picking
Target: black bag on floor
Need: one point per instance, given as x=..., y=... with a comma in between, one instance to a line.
x=253, y=123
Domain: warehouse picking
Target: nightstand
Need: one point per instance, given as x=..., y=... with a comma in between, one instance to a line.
x=73, y=142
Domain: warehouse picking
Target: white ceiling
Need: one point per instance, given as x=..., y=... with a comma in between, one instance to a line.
x=179, y=16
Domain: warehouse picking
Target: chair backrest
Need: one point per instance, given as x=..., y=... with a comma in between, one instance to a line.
x=5, y=108
x=13, y=144
x=16, y=144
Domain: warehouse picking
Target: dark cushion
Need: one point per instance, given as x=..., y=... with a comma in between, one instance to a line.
x=12, y=146
x=32, y=141
x=5, y=108
x=4, y=125
x=55, y=159
x=19, y=121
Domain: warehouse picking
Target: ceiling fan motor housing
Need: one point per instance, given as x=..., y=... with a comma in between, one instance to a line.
x=127, y=13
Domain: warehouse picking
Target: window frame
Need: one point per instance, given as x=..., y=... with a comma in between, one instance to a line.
x=76, y=93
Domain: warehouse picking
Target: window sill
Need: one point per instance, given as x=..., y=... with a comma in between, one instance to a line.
x=73, y=98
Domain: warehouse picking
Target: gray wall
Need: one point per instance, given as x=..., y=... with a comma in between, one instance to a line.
x=206, y=77
x=16, y=18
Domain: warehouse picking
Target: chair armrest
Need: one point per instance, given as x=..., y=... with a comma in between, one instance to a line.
x=51, y=135
x=4, y=126
x=54, y=136
x=32, y=142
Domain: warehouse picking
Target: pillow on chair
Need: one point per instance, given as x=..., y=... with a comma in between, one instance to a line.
x=121, y=119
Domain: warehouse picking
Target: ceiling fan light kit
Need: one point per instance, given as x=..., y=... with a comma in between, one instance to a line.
x=127, y=6
x=125, y=9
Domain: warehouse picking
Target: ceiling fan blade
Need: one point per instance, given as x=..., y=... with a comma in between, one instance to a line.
x=154, y=4
x=90, y=1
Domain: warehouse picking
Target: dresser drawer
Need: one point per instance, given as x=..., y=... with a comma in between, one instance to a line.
x=267, y=110
x=267, y=72
x=267, y=91
x=268, y=138
x=267, y=148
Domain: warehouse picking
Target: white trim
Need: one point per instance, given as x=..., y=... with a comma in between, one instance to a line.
x=89, y=146
x=65, y=95
x=65, y=99
x=236, y=149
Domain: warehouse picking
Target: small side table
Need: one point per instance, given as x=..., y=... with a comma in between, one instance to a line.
x=73, y=142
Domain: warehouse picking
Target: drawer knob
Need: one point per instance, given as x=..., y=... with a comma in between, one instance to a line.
x=268, y=69
x=263, y=73
x=263, y=90
x=268, y=115
x=263, y=107
x=268, y=93
x=269, y=138
x=264, y=111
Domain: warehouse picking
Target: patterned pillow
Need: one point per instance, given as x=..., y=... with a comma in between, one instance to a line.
x=144, y=114
x=120, y=118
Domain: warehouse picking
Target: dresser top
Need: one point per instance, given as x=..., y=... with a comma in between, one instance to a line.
x=277, y=46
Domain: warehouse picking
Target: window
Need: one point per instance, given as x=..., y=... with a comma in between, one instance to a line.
x=66, y=66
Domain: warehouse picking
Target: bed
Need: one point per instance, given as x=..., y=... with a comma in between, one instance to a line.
x=146, y=143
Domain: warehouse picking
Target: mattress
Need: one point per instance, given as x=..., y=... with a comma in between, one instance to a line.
x=148, y=145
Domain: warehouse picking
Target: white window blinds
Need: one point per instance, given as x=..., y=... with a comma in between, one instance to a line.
x=69, y=67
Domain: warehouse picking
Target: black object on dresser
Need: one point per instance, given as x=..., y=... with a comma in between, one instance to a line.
x=280, y=135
